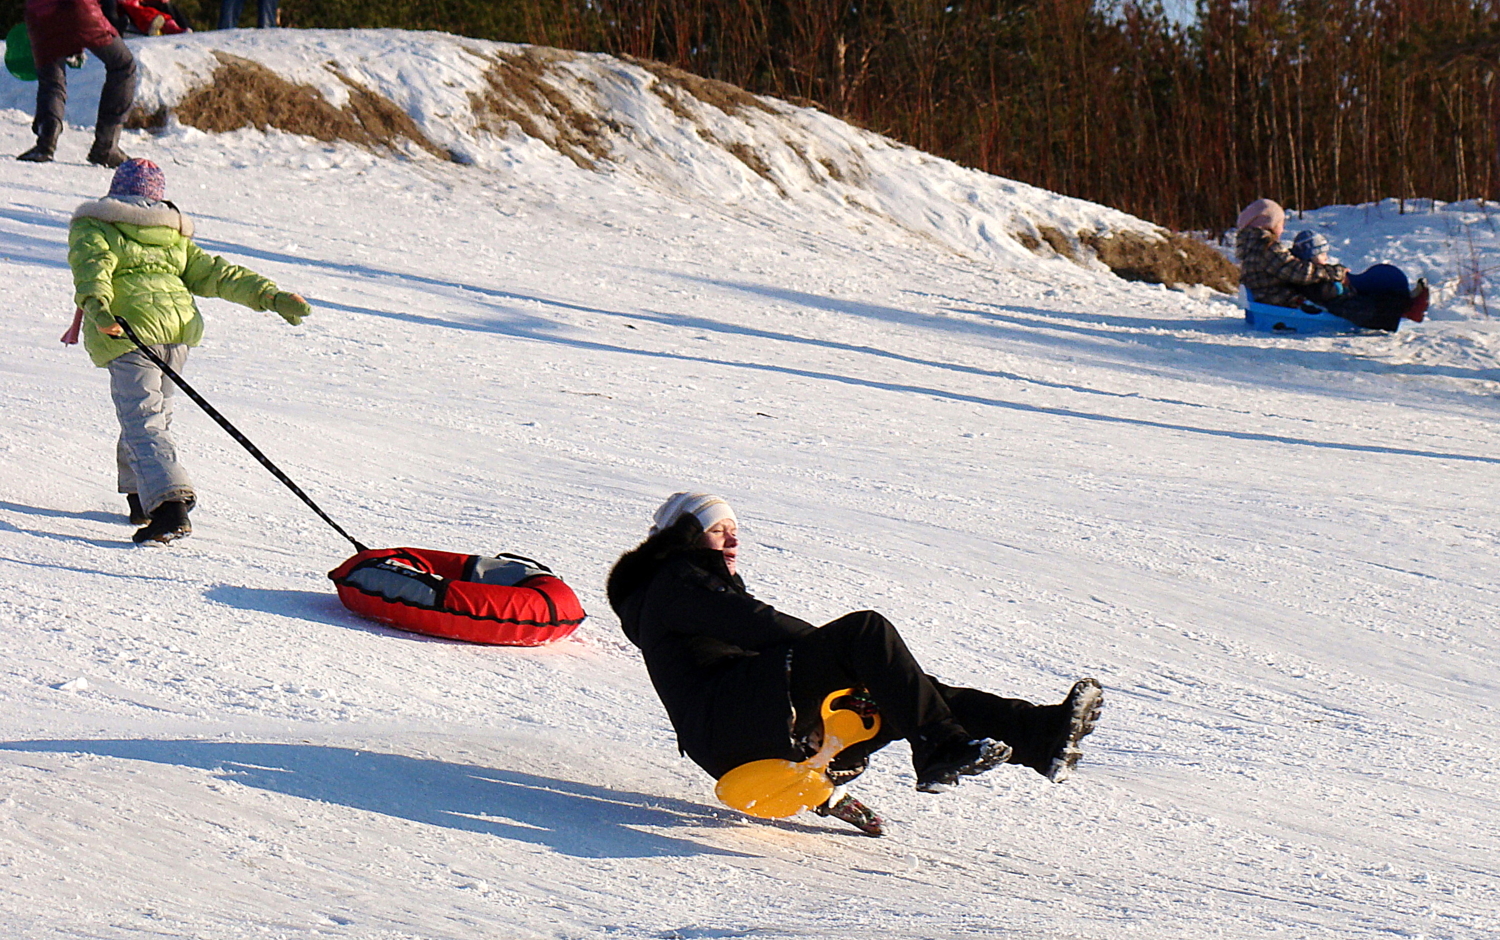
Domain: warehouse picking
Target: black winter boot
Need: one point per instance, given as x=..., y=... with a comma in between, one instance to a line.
x=107, y=155
x=941, y=756
x=41, y=153
x=846, y=766
x=106, y=151
x=169, y=522
x=1081, y=710
x=138, y=514
x=47, y=132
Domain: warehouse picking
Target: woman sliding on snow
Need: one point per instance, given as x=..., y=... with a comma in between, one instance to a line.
x=1377, y=299
x=742, y=681
x=133, y=257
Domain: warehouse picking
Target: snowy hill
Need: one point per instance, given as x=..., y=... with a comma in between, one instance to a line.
x=502, y=106
x=1279, y=554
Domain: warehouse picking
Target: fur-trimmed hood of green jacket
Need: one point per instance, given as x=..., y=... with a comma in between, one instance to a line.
x=139, y=262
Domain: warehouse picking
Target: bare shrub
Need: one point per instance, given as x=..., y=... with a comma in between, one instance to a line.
x=752, y=158
x=1172, y=258
x=520, y=95
x=244, y=93
x=1027, y=238
x=731, y=99
x=1058, y=241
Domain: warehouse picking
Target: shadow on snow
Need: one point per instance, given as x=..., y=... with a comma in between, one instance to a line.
x=571, y=818
x=527, y=326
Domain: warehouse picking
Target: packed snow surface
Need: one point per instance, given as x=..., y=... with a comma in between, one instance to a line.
x=1277, y=553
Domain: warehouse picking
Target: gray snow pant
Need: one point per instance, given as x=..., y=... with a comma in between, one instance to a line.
x=115, y=100
x=145, y=455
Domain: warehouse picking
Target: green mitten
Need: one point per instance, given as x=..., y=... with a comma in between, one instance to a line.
x=98, y=315
x=291, y=307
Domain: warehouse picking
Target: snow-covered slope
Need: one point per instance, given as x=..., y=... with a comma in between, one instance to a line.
x=1277, y=553
x=507, y=107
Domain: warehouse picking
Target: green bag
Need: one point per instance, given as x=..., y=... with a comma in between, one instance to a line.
x=18, y=61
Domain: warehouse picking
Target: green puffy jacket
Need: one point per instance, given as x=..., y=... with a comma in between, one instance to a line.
x=140, y=263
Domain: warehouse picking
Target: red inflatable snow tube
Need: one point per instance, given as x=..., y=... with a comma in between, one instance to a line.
x=505, y=600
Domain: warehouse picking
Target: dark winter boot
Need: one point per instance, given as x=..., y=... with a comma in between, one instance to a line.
x=853, y=761
x=941, y=756
x=846, y=766
x=138, y=514
x=1082, y=708
x=47, y=132
x=106, y=152
x=41, y=153
x=169, y=522
x=843, y=806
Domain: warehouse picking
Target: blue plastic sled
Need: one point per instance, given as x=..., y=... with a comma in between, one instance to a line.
x=1274, y=319
x=1381, y=278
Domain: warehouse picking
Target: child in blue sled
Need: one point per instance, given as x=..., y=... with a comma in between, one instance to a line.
x=1378, y=299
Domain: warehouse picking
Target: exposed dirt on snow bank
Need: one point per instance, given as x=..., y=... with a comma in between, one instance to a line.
x=1173, y=258
x=243, y=93
x=502, y=107
x=520, y=94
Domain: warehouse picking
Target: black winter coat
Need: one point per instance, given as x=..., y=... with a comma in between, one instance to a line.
x=717, y=656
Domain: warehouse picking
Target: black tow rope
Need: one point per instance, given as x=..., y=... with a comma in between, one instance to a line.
x=234, y=432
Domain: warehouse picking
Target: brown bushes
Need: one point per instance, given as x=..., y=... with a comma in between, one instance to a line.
x=247, y=94
x=519, y=94
x=1311, y=103
x=1173, y=258
x=1167, y=258
x=731, y=99
x=522, y=93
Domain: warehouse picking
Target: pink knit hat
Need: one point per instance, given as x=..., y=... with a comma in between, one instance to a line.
x=139, y=177
x=1262, y=213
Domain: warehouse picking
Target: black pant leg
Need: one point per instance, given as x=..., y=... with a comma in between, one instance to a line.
x=118, y=96
x=1379, y=311
x=864, y=649
x=51, y=100
x=1030, y=730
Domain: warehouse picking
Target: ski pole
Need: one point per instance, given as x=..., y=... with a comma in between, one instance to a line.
x=234, y=432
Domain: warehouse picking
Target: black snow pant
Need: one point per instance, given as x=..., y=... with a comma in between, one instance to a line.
x=115, y=100
x=1376, y=311
x=863, y=649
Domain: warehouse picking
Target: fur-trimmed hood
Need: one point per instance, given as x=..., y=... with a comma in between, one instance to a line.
x=717, y=657
x=635, y=569
x=115, y=210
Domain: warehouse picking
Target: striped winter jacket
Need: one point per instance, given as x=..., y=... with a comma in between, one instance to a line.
x=1273, y=275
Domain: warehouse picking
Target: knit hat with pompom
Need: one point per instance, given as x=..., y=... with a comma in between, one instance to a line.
x=139, y=177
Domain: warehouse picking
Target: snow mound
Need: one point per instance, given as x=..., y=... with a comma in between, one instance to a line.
x=503, y=106
x=1276, y=553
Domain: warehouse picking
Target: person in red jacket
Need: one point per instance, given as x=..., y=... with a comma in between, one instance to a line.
x=149, y=18
x=59, y=30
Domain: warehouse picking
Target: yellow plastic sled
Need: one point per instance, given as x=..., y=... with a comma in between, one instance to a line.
x=775, y=789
